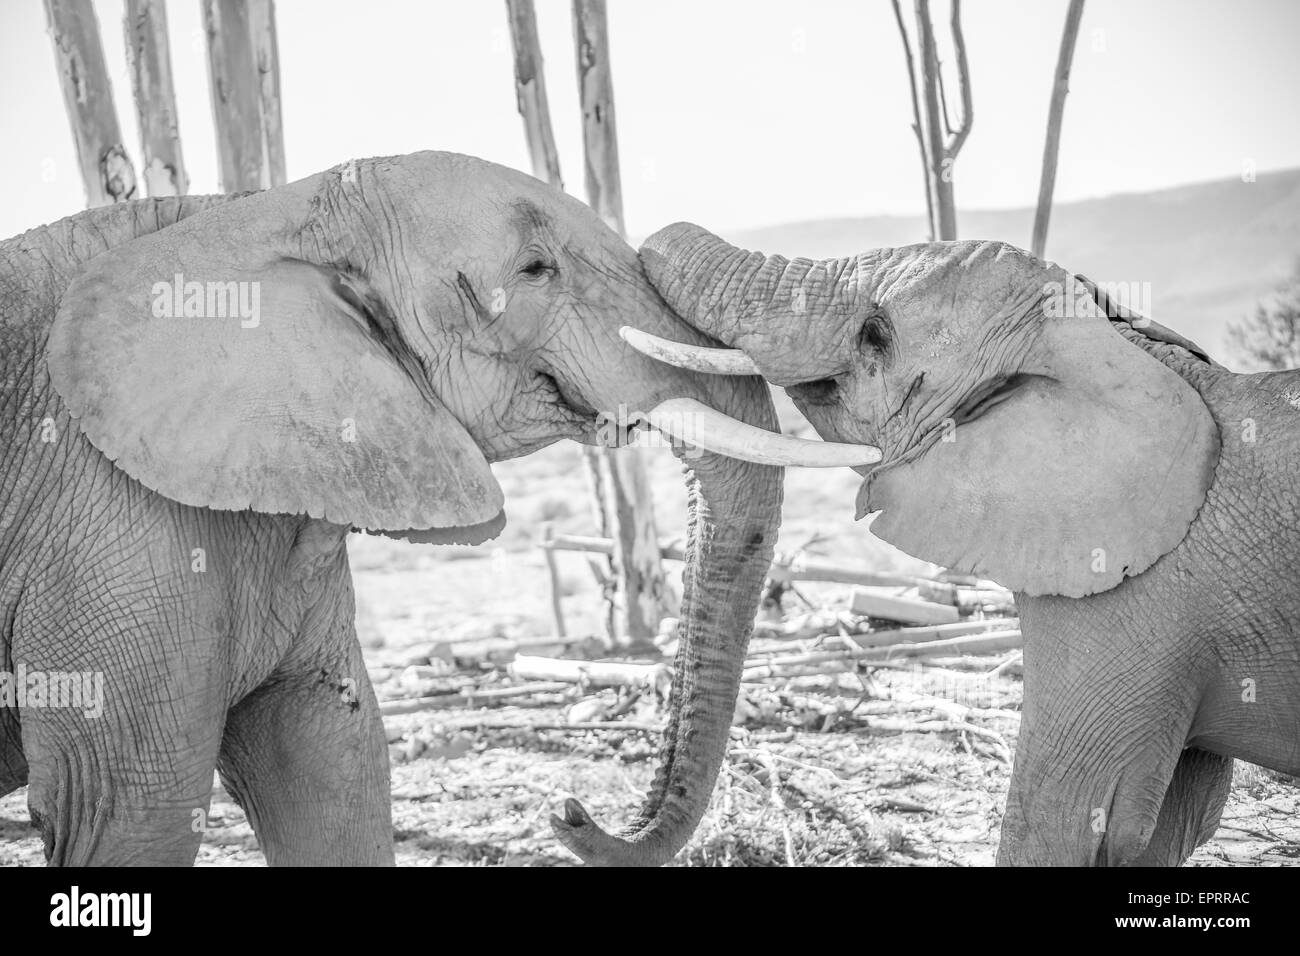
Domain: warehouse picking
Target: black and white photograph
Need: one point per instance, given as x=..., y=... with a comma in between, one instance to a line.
x=639, y=433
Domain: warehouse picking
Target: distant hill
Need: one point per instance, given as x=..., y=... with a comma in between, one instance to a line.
x=1210, y=251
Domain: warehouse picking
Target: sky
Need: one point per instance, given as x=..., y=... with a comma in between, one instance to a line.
x=730, y=113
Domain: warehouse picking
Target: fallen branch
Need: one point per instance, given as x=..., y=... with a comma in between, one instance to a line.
x=590, y=673
x=762, y=756
x=875, y=603
x=626, y=725
x=951, y=708
x=899, y=805
x=486, y=648
x=799, y=665
x=821, y=624
x=946, y=588
x=934, y=633
x=1013, y=665
x=942, y=726
x=470, y=698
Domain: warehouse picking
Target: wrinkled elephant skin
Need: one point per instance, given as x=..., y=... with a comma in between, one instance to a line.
x=200, y=397
x=1141, y=500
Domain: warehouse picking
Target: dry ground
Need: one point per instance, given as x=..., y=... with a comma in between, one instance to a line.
x=797, y=787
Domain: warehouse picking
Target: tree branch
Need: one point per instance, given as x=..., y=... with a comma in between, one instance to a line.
x=940, y=163
x=1051, y=146
x=963, y=73
x=916, y=120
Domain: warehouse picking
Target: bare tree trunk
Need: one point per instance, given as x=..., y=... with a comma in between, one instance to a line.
x=105, y=166
x=958, y=136
x=238, y=90
x=940, y=184
x=916, y=121
x=599, y=131
x=530, y=92
x=629, y=504
x=266, y=57
x=149, y=61
x=1052, y=145
x=941, y=154
x=534, y=107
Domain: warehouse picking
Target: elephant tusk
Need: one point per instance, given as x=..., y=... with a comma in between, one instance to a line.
x=697, y=424
x=696, y=358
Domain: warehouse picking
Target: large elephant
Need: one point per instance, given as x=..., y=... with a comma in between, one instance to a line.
x=201, y=396
x=1141, y=500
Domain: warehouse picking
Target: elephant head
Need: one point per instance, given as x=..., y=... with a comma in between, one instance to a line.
x=1023, y=437
x=357, y=346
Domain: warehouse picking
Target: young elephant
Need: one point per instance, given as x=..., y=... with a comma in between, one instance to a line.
x=1140, y=499
x=199, y=397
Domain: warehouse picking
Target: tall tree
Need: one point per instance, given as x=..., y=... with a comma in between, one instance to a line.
x=642, y=596
x=1056, y=112
x=106, y=168
x=244, y=80
x=149, y=61
x=635, y=588
x=530, y=92
x=938, y=139
x=916, y=120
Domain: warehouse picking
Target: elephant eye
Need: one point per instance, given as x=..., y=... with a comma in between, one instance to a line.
x=537, y=268
x=875, y=333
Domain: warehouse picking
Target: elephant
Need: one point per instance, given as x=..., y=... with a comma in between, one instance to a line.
x=202, y=396
x=1138, y=497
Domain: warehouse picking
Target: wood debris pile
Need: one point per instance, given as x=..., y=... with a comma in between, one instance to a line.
x=817, y=668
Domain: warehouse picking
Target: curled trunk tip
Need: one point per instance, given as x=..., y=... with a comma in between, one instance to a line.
x=585, y=838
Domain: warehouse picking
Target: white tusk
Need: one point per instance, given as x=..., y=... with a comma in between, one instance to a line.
x=696, y=358
x=695, y=423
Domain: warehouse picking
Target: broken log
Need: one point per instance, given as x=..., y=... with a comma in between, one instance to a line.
x=495, y=648
x=591, y=673
x=874, y=602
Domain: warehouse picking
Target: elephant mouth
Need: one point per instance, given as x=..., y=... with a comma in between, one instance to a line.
x=989, y=394
x=980, y=401
x=574, y=413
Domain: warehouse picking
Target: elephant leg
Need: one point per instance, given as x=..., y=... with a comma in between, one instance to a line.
x=1104, y=727
x=1087, y=788
x=1191, y=809
x=121, y=725
x=13, y=766
x=305, y=756
x=126, y=788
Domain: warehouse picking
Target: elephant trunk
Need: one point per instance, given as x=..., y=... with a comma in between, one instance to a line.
x=785, y=314
x=735, y=509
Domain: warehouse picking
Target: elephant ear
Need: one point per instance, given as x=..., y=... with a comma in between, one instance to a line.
x=1093, y=468
x=216, y=365
x=1118, y=311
